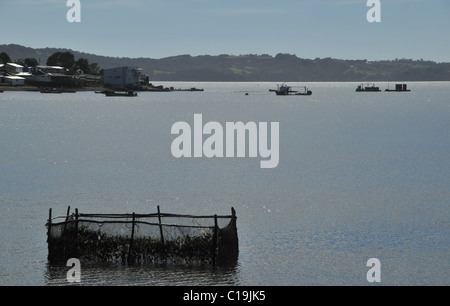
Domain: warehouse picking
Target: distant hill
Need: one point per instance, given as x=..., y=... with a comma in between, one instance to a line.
x=252, y=68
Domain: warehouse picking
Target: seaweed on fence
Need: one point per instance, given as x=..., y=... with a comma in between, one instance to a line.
x=75, y=238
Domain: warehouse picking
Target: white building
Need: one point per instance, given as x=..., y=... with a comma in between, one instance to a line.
x=47, y=74
x=15, y=80
x=122, y=77
x=14, y=68
x=47, y=69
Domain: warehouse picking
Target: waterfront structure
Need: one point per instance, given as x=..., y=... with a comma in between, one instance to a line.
x=123, y=77
x=13, y=68
x=14, y=80
x=47, y=70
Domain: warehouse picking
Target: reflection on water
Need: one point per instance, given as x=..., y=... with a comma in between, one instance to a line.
x=360, y=176
x=146, y=275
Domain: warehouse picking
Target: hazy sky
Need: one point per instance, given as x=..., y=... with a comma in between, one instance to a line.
x=160, y=28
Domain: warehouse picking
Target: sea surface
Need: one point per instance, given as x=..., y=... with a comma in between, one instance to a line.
x=361, y=176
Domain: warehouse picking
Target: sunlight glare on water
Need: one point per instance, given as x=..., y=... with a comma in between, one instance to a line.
x=361, y=175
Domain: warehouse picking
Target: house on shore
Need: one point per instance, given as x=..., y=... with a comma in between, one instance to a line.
x=13, y=68
x=14, y=80
x=12, y=74
x=48, y=70
x=124, y=77
x=51, y=76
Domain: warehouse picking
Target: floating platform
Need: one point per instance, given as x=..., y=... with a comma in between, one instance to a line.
x=158, y=238
x=399, y=88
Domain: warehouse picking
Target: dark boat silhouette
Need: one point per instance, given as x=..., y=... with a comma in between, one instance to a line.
x=285, y=90
x=373, y=88
x=50, y=91
x=129, y=93
x=399, y=88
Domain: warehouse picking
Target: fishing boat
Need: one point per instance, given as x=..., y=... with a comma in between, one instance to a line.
x=372, y=88
x=50, y=91
x=129, y=93
x=285, y=90
x=190, y=89
x=195, y=89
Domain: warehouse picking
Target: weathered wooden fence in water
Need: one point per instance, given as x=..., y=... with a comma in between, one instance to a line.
x=143, y=238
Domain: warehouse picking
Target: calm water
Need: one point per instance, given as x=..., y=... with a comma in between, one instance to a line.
x=361, y=175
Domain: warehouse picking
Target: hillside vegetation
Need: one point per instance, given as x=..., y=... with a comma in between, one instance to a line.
x=249, y=68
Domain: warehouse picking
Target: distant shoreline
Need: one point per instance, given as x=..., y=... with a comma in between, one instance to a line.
x=257, y=68
x=28, y=88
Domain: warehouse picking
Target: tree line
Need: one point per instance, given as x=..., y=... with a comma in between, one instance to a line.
x=62, y=59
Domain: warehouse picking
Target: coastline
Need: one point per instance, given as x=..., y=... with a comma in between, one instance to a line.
x=28, y=88
x=6, y=88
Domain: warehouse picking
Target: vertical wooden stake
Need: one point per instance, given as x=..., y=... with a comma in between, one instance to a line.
x=76, y=222
x=214, y=242
x=67, y=219
x=49, y=238
x=160, y=226
x=132, y=238
x=49, y=224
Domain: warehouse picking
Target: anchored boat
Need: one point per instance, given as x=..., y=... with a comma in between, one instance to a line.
x=50, y=91
x=129, y=93
x=284, y=90
x=372, y=88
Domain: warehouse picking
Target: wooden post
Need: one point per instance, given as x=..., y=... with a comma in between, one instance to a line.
x=67, y=219
x=214, y=242
x=49, y=224
x=76, y=222
x=49, y=238
x=235, y=245
x=160, y=226
x=132, y=238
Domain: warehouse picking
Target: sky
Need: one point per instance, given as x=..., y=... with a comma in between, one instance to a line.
x=412, y=29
